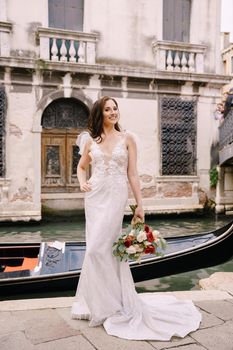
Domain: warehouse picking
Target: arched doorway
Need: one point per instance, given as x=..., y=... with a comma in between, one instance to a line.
x=62, y=120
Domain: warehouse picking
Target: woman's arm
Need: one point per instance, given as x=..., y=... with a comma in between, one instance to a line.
x=82, y=168
x=133, y=176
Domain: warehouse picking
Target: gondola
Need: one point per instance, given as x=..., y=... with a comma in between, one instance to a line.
x=56, y=266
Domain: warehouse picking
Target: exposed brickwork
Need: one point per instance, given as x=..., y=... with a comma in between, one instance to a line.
x=176, y=189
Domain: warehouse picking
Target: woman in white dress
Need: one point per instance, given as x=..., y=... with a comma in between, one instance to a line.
x=106, y=294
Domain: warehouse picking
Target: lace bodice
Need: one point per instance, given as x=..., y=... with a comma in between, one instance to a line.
x=105, y=164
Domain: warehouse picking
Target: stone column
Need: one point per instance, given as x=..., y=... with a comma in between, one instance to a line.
x=219, y=208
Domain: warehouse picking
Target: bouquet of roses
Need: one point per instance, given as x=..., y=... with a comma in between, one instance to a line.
x=140, y=239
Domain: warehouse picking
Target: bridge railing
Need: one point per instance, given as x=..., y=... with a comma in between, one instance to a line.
x=226, y=140
x=226, y=131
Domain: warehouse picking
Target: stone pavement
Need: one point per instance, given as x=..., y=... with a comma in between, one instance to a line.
x=40, y=324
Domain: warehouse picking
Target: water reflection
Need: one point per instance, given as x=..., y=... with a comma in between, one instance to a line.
x=182, y=281
x=73, y=229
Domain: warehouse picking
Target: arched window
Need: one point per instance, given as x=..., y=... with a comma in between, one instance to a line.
x=2, y=131
x=65, y=113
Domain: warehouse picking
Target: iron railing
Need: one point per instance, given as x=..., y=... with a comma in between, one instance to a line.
x=226, y=130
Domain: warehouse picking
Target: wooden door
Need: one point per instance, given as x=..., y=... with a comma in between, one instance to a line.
x=62, y=121
x=59, y=161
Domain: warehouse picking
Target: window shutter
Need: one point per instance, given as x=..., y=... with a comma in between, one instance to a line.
x=57, y=14
x=176, y=20
x=74, y=15
x=66, y=14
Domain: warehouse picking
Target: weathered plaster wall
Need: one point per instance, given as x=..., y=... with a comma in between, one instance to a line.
x=205, y=29
x=26, y=16
x=126, y=31
x=20, y=153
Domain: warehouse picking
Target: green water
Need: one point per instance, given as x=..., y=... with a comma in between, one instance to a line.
x=73, y=229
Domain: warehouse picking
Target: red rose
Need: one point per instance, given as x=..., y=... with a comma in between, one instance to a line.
x=150, y=236
x=146, y=228
x=150, y=249
x=127, y=242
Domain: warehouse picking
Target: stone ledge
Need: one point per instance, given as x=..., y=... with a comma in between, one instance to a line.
x=64, y=302
x=117, y=69
x=222, y=281
x=170, y=209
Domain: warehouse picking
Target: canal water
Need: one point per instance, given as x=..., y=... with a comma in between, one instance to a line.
x=73, y=229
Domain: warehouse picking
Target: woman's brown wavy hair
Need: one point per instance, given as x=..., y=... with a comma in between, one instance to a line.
x=96, y=118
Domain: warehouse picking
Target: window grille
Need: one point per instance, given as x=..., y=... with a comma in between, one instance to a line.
x=2, y=131
x=65, y=113
x=178, y=136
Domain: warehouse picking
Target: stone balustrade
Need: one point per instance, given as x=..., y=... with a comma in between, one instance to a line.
x=179, y=56
x=5, y=30
x=67, y=46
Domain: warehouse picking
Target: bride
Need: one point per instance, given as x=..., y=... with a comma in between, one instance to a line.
x=106, y=294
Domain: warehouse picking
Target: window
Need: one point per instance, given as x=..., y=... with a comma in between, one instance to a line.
x=178, y=136
x=2, y=131
x=66, y=14
x=176, y=20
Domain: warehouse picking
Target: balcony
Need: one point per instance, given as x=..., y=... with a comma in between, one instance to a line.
x=179, y=57
x=5, y=30
x=57, y=45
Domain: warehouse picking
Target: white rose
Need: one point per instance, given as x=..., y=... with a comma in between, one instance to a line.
x=141, y=236
x=131, y=250
x=138, y=248
x=156, y=234
x=132, y=233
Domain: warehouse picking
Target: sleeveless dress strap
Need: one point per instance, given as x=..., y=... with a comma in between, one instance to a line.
x=82, y=140
x=136, y=138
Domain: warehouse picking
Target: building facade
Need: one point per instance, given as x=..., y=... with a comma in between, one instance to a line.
x=161, y=61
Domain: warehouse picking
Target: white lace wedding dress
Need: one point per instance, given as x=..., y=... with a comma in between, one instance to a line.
x=106, y=293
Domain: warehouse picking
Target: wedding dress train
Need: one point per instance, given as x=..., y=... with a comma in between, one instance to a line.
x=106, y=293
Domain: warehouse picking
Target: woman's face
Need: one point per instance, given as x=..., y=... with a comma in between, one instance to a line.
x=110, y=113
